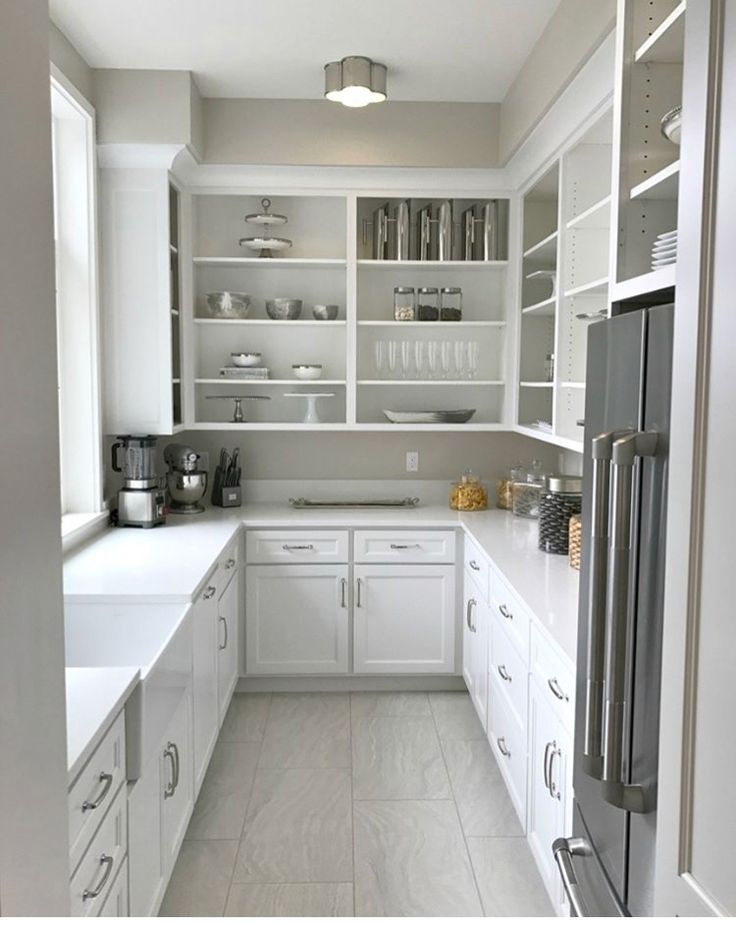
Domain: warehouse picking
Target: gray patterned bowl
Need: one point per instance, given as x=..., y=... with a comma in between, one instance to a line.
x=283, y=309
x=228, y=304
x=325, y=312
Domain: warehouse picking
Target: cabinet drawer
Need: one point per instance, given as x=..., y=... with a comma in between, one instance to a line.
x=93, y=791
x=264, y=547
x=227, y=566
x=509, y=670
x=511, y=612
x=95, y=875
x=421, y=547
x=477, y=565
x=116, y=904
x=508, y=742
x=555, y=677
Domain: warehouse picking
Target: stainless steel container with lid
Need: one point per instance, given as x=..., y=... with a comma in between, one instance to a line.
x=561, y=500
x=428, y=303
x=404, y=306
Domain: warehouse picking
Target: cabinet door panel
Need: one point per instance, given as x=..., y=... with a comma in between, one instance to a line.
x=404, y=619
x=296, y=619
x=177, y=782
x=204, y=685
x=145, y=861
x=228, y=619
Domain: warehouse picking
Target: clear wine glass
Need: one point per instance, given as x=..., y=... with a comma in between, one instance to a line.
x=446, y=358
x=433, y=358
x=405, y=359
x=379, y=357
x=473, y=358
x=392, y=357
x=460, y=370
x=419, y=358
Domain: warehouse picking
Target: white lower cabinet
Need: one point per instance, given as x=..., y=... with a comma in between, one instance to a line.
x=228, y=637
x=204, y=680
x=507, y=739
x=550, y=751
x=476, y=623
x=159, y=807
x=116, y=904
x=404, y=619
x=297, y=619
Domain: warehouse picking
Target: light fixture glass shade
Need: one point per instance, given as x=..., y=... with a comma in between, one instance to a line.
x=355, y=81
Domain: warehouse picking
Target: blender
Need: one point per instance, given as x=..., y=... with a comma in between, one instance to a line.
x=141, y=500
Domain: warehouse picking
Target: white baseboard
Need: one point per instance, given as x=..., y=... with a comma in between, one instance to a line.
x=322, y=683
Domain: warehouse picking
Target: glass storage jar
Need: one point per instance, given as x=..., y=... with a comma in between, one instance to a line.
x=404, y=306
x=504, y=491
x=561, y=499
x=428, y=303
x=527, y=492
x=451, y=303
x=468, y=494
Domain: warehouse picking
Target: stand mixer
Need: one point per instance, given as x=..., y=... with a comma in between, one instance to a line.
x=185, y=481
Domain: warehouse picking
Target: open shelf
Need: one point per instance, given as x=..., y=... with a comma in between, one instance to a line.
x=339, y=426
x=293, y=323
x=666, y=44
x=548, y=437
x=595, y=287
x=662, y=185
x=544, y=251
x=572, y=385
x=447, y=325
x=546, y=307
x=596, y=216
x=224, y=380
x=644, y=285
x=536, y=385
x=435, y=264
x=269, y=262
x=425, y=382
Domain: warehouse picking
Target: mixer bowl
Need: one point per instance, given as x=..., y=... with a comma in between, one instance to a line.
x=186, y=489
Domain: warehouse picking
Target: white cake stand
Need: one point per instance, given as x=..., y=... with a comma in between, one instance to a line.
x=311, y=416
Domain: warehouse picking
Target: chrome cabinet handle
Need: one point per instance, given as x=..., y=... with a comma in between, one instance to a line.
x=230, y=564
x=503, y=672
x=289, y=547
x=564, y=850
x=171, y=786
x=358, y=585
x=505, y=612
x=547, y=747
x=625, y=451
x=468, y=612
x=554, y=686
x=552, y=787
x=177, y=766
x=224, y=623
x=107, y=862
x=474, y=565
x=209, y=593
x=502, y=747
x=106, y=780
x=405, y=546
x=343, y=592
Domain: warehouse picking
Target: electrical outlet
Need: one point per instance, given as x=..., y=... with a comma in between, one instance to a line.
x=412, y=461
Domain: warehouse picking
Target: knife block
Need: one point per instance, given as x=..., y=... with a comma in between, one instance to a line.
x=227, y=496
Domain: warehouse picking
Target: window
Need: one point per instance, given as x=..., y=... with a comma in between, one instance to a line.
x=80, y=448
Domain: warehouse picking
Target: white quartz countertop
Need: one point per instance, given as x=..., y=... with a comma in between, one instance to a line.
x=171, y=563
x=94, y=697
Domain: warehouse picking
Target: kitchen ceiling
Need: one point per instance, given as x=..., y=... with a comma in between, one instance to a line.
x=465, y=50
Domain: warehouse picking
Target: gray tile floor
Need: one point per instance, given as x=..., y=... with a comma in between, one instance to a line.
x=354, y=804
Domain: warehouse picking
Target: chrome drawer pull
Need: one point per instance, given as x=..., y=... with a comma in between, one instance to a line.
x=502, y=747
x=474, y=565
x=469, y=610
x=224, y=645
x=505, y=612
x=343, y=592
x=503, y=672
x=209, y=593
x=230, y=564
x=547, y=747
x=107, y=862
x=554, y=686
x=358, y=583
x=304, y=546
x=553, y=791
x=171, y=786
x=405, y=546
x=106, y=781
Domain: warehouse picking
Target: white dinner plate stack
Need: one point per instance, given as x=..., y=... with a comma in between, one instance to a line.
x=664, y=250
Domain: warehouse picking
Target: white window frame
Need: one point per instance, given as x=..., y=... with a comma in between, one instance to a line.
x=77, y=303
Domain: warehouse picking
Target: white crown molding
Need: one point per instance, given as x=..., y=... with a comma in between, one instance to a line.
x=138, y=155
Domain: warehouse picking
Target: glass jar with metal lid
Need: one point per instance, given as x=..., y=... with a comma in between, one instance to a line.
x=561, y=499
x=428, y=304
x=404, y=305
x=451, y=303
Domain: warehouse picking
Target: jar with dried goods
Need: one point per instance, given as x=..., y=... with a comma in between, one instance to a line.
x=468, y=494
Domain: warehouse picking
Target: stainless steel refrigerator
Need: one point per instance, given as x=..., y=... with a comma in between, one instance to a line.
x=607, y=863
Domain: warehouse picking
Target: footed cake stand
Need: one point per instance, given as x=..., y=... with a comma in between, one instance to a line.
x=311, y=416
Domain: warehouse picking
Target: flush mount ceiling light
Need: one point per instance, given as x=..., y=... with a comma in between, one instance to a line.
x=355, y=81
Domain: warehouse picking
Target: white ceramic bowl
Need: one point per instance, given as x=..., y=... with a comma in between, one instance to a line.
x=246, y=359
x=307, y=371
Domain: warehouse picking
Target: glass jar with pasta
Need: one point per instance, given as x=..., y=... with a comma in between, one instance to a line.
x=468, y=494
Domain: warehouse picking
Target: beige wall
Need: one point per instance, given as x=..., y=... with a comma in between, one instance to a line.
x=143, y=107
x=576, y=29
x=72, y=65
x=34, y=846
x=317, y=132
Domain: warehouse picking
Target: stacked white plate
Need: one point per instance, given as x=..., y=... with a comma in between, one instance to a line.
x=664, y=250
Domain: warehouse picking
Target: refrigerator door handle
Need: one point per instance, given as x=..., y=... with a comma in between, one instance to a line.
x=601, y=452
x=625, y=451
x=564, y=850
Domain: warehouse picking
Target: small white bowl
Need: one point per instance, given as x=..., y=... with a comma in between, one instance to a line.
x=307, y=371
x=246, y=359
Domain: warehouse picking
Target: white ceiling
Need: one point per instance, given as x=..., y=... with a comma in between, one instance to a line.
x=453, y=50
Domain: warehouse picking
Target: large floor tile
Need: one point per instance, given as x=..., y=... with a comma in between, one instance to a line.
x=455, y=716
x=482, y=799
x=200, y=879
x=290, y=899
x=245, y=721
x=411, y=859
x=298, y=828
x=401, y=703
x=307, y=731
x=508, y=878
x=398, y=758
x=220, y=808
